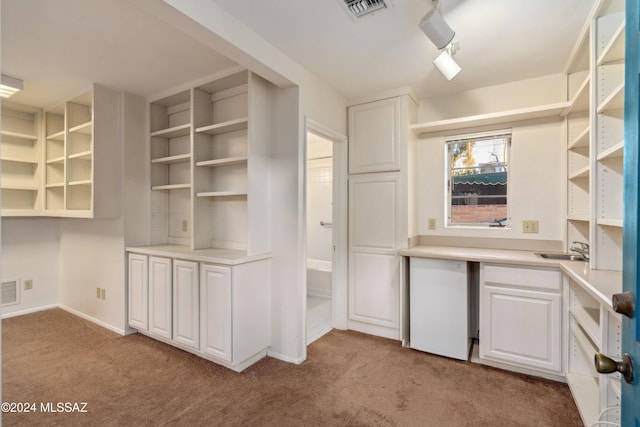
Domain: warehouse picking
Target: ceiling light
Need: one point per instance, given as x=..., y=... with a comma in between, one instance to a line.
x=9, y=86
x=446, y=64
x=438, y=31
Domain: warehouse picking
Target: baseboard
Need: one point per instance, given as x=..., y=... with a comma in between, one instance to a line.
x=29, y=311
x=285, y=358
x=93, y=320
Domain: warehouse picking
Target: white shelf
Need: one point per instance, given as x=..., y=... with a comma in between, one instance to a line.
x=542, y=111
x=582, y=140
x=610, y=222
x=83, y=155
x=225, y=127
x=80, y=182
x=56, y=160
x=589, y=319
x=19, y=135
x=616, y=387
x=580, y=101
x=19, y=160
x=221, y=193
x=223, y=162
x=614, y=101
x=173, y=132
x=616, y=151
x=586, y=346
x=84, y=128
x=614, y=50
x=581, y=173
x=20, y=187
x=58, y=136
x=585, y=391
x=180, y=158
x=171, y=186
x=577, y=217
x=55, y=185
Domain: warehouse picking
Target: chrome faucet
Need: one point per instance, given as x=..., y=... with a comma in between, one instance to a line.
x=582, y=250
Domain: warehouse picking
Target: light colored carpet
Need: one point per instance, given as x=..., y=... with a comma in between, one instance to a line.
x=349, y=379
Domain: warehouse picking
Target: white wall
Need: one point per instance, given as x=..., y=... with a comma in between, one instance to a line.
x=30, y=251
x=537, y=161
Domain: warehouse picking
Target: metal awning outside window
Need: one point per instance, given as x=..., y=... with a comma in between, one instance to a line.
x=493, y=178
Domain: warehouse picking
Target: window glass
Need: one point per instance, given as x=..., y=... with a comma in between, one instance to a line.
x=478, y=172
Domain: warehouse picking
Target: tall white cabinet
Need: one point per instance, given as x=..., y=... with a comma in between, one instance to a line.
x=378, y=227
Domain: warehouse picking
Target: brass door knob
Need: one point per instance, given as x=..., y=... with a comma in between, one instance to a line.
x=606, y=365
x=623, y=303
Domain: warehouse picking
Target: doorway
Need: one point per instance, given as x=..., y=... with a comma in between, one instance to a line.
x=326, y=216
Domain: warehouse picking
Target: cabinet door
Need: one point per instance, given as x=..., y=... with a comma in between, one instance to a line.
x=374, y=277
x=138, y=291
x=186, y=303
x=160, y=296
x=521, y=327
x=215, y=311
x=374, y=136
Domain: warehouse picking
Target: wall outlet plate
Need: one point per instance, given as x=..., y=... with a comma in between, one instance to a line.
x=28, y=284
x=530, y=226
x=184, y=225
x=432, y=223
x=97, y=292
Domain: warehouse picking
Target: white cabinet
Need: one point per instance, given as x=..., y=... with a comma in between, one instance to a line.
x=138, y=291
x=375, y=136
x=215, y=299
x=160, y=296
x=216, y=311
x=186, y=304
x=520, y=317
x=374, y=266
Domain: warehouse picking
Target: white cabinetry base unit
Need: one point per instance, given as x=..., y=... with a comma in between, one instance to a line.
x=439, y=307
x=214, y=303
x=521, y=317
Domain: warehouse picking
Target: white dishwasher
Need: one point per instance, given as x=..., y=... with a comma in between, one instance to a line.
x=439, y=307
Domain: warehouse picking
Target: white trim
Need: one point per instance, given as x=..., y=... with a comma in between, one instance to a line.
x=29, y=311
x=284, y=358
x=92, y=320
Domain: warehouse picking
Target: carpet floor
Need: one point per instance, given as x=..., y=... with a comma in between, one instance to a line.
x=348, y=379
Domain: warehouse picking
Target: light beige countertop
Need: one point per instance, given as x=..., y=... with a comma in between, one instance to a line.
x=214, y=256
x=601, y=284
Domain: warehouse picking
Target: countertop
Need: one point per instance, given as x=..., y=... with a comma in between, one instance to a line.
x=601, y=284
x=214, y=256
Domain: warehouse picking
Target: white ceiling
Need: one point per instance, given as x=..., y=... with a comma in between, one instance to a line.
x=59, y=47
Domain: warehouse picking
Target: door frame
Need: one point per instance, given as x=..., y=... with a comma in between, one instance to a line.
x=340, y=218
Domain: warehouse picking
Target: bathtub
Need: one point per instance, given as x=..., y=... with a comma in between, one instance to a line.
x=319, y=278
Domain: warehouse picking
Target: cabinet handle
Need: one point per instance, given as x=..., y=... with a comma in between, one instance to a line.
x=623, y=303
x=606, y=365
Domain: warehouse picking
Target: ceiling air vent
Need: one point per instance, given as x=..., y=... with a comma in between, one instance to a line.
x=360, y=8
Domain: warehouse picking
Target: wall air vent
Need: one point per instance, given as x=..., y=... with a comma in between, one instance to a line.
x=360, y=8
x=10, y=292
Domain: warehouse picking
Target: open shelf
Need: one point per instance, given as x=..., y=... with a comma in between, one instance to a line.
x=614, y=101
x=19, y=160
x=589, y=319
x=542, y=111
x=170, y=186
x=615, y=151
x=180, y=158
x=585, y=391
x=610, y=222
x=581, y=173
x=173, y=132
x=223, y=162
x=58, y=136
x=581, y=141
x=580, y=101
x=228, y=126
x=83, y=155
x=18, y=135
x=84, y=128
x=614, y=50
x=222, y=194
x=578, y=217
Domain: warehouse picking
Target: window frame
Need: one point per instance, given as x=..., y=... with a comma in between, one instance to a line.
x=448, y=186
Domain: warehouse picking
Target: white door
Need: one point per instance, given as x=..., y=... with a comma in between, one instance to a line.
x=160, y=296
x=186, y=304
x=215, y=311
x=138, y=292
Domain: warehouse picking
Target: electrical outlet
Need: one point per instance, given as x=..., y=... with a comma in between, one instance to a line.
x=103, y=293
x=184, y=225
x=530, y=226
x=28, y=284
x=432, y=223
x=98, y=293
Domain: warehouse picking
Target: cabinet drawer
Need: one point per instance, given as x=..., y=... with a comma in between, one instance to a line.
x=522, y=277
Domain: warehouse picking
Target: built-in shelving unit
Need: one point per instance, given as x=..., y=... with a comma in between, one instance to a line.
x=209, y=164
x=20, y=154
x=80, y=155
x=595, y=151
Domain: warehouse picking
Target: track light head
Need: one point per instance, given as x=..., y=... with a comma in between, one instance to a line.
x=438, y=31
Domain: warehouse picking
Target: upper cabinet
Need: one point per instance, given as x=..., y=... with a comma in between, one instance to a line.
x=374, y=136
x=210, y=165
x=20, y=152
x=64, y=162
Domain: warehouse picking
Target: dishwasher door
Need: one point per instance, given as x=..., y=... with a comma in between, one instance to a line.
x=439, y=307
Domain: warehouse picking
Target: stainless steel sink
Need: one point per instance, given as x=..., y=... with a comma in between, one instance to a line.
x=566, y=257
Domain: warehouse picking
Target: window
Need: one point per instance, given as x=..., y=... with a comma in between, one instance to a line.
x=477, y=181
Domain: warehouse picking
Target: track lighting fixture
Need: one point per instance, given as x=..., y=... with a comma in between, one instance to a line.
x=441, y=35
